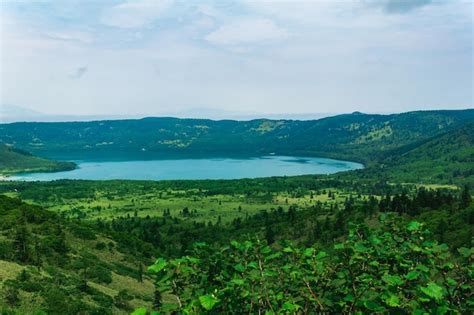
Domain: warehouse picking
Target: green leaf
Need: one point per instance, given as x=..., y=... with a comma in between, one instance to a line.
x=287, y=306
x=422, y=268
x=308, y=252
x=208, y=301
x=465, y=252
x=433, y=291
x=159, y=264
x=339, y=246
x=273, y=256
x=199, y=245
x=442, y=310
x=360, y=248
x=413, y=226
x=321, y=255
x=372, y=305
x=448, y=266
x=239, y=268
x=253, y=265
x=349, y=298
x=392, y=300
x=451, y=281
x=412, y=275
x=392, y=280
x=139, y=311
x=238, y=281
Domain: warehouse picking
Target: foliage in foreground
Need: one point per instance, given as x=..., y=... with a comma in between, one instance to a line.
x=389, y=269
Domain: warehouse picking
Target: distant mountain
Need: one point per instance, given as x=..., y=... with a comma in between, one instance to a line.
x=11, y=113
x=359, y=137
x=219, y=114
x=13, y=161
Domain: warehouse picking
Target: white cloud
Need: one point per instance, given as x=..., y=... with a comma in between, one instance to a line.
x=247, y=31
x=402, y=61
x=134, y=14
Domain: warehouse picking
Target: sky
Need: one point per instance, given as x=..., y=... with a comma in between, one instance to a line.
x=143, y=57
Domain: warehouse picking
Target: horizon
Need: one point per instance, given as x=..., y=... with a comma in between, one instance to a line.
x=42, y=118
x=155, y=58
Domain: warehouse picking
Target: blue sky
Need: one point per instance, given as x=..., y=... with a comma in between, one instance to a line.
x=168, y=56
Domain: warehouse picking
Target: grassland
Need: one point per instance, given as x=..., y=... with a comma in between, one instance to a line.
x=107, y=204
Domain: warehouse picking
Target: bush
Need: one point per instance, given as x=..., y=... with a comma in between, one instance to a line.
x=99, y=274
x=392, y=269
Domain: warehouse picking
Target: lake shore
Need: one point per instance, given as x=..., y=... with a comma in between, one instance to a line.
x=3, y=177
x=198, y=169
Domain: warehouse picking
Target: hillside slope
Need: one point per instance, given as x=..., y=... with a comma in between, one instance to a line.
x=441, y=159
x=60, y=267
x=359, y=137
x=14, y=161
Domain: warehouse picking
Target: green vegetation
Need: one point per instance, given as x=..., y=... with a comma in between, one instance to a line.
x=444, y=159
x=18, y=161
x=62, y=267
x=395, y=237
x=388, y=269
x=358, y=137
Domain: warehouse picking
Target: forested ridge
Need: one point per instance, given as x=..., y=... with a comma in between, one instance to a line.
x=357, y=136
x=13, y=160
x=395, y=237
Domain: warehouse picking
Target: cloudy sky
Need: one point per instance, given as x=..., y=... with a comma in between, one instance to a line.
x=146, y=57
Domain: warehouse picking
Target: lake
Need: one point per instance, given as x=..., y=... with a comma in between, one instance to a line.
x=203, y=168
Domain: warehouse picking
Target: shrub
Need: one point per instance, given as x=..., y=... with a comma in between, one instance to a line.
x=391, y=269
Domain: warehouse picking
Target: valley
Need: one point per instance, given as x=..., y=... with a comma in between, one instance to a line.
x=119, y=245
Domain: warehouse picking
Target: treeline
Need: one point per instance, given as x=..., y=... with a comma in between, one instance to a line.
x=449, y=215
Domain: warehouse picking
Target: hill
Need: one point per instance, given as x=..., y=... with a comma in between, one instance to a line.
x=444, y=159
x=14, y=161
x=440, y=159
x=60, y=267
x=358, y=137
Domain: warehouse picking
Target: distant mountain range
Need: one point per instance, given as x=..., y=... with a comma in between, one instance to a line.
x=11, y=113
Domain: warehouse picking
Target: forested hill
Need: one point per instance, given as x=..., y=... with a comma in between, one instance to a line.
x=13, y=161
x=446, y=158
x=450, y=155
x=355, y=136
x=51, y=266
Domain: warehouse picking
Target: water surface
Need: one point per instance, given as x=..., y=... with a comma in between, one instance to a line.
x=204, y=168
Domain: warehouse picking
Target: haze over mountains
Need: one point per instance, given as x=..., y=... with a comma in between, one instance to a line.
x=12, y=113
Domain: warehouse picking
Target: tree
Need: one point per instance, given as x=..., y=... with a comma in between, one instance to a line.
x=465, y=197
x=121, y=300
x=21, y=243
x=269, y=234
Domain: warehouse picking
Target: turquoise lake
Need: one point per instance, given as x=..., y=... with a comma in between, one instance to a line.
x=203, y=168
